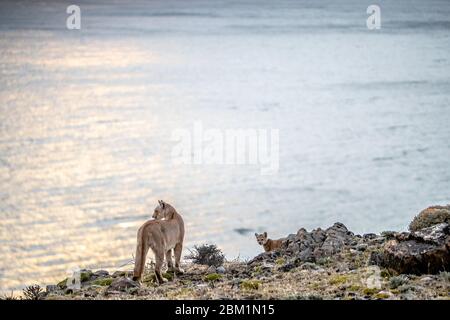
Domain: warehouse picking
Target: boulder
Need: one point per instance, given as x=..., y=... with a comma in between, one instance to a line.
x=122, y=284
x=425, y=251
x=99, y=274
x=220, y=270
x=430, y=216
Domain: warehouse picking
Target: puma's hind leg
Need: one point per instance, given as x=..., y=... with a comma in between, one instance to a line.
x=169, y=260
x=177, y=252
x=159, y=259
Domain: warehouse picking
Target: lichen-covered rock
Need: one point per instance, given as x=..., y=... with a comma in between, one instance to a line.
x=423, y=251
x=430, y=216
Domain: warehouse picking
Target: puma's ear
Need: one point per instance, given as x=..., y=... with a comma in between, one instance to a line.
x=265, y=234
x=256, y=235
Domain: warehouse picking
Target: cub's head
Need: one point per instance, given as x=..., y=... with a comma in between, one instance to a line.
x=261, y=238
x=162, y=211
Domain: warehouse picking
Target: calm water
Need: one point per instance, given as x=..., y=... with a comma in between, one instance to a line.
x=86, y=119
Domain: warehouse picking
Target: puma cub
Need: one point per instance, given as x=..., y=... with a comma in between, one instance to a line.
x=268, y=244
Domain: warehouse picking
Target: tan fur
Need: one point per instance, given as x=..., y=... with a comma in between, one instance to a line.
x=268, y=244
x=162, y=235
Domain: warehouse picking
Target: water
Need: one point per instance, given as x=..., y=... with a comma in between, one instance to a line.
x=86, y=119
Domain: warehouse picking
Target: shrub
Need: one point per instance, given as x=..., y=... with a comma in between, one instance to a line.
x=207, y=254
x=10, y=296
x=34, y=292
x=250, y=284
x=397, y=281
x=445, y=275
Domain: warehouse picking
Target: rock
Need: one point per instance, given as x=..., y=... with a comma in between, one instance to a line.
x=309, y=266
x=361, y=246
x=424, y=251
x=121, y=273
x=220, y=270
x=388, y=234
x=437, y=234
x=264, y=257
x=426, y=279
x=369, y=236
x=51, y=288
x=342, y=267
x=268, y=266
x=384, y=294
x=306, y=255
x=318, y=235
x=211, y=269
x=430, y=216
x=100, y=274
x=378, y=240
x=337, y=236
x=311, y=246
x=122, y=284
x=287, y=267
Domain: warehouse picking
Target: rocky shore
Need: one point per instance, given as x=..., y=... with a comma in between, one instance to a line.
x=333, y=263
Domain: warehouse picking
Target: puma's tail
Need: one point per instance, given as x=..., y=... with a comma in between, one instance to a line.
x=139, y=257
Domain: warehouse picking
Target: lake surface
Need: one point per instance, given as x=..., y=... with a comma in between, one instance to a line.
x=87, y=116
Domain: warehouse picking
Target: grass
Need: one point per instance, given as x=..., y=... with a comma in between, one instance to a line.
x=398, y=281
x=381, y=295
x=338, y=279
x=103, y=282
x=250, y=284
x=370, y=291
x=213, y=277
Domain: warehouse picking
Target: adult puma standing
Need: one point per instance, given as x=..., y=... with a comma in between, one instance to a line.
x=162, y=235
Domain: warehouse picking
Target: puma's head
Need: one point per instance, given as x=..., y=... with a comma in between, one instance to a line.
x=163, y=211
x=261, y=238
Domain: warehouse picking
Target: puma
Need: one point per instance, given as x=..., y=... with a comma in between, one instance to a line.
x=164, y=233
